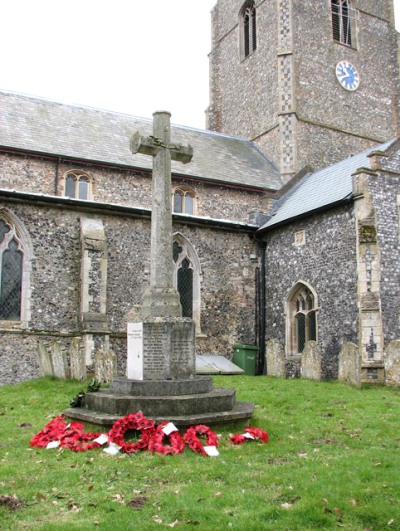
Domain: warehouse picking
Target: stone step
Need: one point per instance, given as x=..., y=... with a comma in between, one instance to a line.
x=242, y=411
x=219, y=399
x=125, y=386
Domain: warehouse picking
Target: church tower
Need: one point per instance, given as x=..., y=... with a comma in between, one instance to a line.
x=311, y=81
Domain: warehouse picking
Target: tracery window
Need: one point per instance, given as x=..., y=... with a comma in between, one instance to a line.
x=11, y=271
x=248, y=29
x=341, y=21
x=187, y=277
x=184, y=200
x=77, y=185
x=301, y=318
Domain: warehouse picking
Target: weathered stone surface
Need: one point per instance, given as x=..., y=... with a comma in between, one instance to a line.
x=328, y=263
x=219, y=399
x=392, y=363
x=311, y=361
x=242, y=411
x=293, y=366
x=77, y=360
x=45, y=361
x=124, y=386
x=162, y=348
x=59, y=360
x=275, y=358
x=350, y=364
x=227, y=309
x=105, y=365
x=298, y=49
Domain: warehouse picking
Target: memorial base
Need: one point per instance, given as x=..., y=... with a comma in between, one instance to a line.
x=183, y=402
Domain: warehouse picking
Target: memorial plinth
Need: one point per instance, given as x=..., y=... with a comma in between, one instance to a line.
x=161, y=376
x=161, y=348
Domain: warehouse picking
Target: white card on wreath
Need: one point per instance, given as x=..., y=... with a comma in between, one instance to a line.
x=113, y=449
x=169, y=428
x=248, y=435
x=211, y=451
x=101, y=439
x=52, y=444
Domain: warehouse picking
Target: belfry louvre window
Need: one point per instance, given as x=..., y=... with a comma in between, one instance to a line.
x=184, y=201
x=302, y=318
x=77, y=185
x=11, y=261
x=341, y=21
x=248, y=29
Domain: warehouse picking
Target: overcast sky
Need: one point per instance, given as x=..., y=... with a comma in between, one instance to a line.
x=130, y=56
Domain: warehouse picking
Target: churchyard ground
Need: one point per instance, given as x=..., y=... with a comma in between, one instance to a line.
x=332, y=462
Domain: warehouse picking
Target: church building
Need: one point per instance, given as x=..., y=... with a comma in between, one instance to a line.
x=286, y=221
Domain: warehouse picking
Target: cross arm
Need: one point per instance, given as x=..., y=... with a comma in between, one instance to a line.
x=151, y=145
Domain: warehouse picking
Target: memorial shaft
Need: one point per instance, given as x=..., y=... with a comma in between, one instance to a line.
x=161, y=299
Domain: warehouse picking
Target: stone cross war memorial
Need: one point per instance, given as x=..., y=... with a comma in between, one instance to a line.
x=161, y=376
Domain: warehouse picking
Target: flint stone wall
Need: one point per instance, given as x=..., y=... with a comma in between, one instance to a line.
x=227, y=307
x=328, y=263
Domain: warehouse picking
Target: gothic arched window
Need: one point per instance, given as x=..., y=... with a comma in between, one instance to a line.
x=248, y=29
x=301, y=318
x=13, y=303
x=187, y=277
x=184, y=200
x=77, y=185
x=341, y=21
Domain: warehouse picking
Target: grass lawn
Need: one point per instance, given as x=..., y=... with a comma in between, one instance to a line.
x=333, y=461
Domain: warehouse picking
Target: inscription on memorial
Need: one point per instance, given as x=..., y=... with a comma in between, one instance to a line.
x=134, y=367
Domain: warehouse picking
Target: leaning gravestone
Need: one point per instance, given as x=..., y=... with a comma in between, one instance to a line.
x=392, y=363
x=161, y=376
x=275, y=359
x=350, y=364
x=311, y=362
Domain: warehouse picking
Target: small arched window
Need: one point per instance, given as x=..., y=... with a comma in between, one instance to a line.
x=248, y=29
x=184, y=201
x=341, y=21
x=301, y=318
x=77, y=185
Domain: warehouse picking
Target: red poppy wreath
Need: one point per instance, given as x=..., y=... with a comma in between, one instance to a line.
x=70, y=435
x=253, y=433
x=137, y=422
x=156, y=445
x=193, y=441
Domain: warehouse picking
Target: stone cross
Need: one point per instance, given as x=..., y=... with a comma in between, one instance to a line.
x=161, y=299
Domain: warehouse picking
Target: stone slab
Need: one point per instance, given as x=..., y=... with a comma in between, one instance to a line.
x=212, y=364
x=242, y=411
x=125, y=386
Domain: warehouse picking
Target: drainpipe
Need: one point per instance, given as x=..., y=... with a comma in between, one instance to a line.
x=261, y=367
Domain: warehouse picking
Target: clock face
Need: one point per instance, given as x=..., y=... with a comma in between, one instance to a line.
x=347, y=75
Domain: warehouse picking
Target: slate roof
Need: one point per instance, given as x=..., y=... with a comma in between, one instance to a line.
x=53, y=128
x=320, y=190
